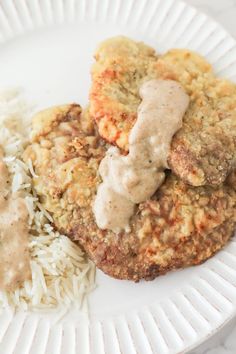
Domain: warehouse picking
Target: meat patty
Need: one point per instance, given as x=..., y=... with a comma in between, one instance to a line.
x=178, y=227
x=203, y=152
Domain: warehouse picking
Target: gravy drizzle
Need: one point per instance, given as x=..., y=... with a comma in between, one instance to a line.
x=14, y=254
x=132, y=179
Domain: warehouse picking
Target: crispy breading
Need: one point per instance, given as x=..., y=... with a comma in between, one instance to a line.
x=122, y=65
x=65, y=153
x=203, y=152
x=178, y=227
x=231, y=180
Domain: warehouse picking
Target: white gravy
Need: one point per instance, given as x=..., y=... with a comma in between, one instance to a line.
x=131, y=179
x=14, y=255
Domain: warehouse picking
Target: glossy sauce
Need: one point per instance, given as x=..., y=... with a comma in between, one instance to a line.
x=14, y=255
x=131, y=179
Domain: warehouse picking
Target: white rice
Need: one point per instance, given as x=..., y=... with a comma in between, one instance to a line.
x=61, y=273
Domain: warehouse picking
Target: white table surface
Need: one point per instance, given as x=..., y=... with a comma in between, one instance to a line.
x=224, y=11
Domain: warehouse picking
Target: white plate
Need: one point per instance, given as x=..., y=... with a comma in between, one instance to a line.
x=46, y=47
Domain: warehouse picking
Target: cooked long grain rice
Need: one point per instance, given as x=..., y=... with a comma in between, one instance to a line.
x=61, y=274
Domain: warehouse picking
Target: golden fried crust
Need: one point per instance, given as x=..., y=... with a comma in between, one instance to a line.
x=180, y=226
x=203, y=152
x=66, y=153
x=231, y=180
x=122, y=65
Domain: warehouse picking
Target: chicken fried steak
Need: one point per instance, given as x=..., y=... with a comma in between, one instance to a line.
x=204, y=151
x=122, y=65
x=178, y=227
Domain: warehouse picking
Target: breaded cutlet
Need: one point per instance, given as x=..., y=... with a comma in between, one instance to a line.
x=203, y=152
x=121, y=66
x=178, y=227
